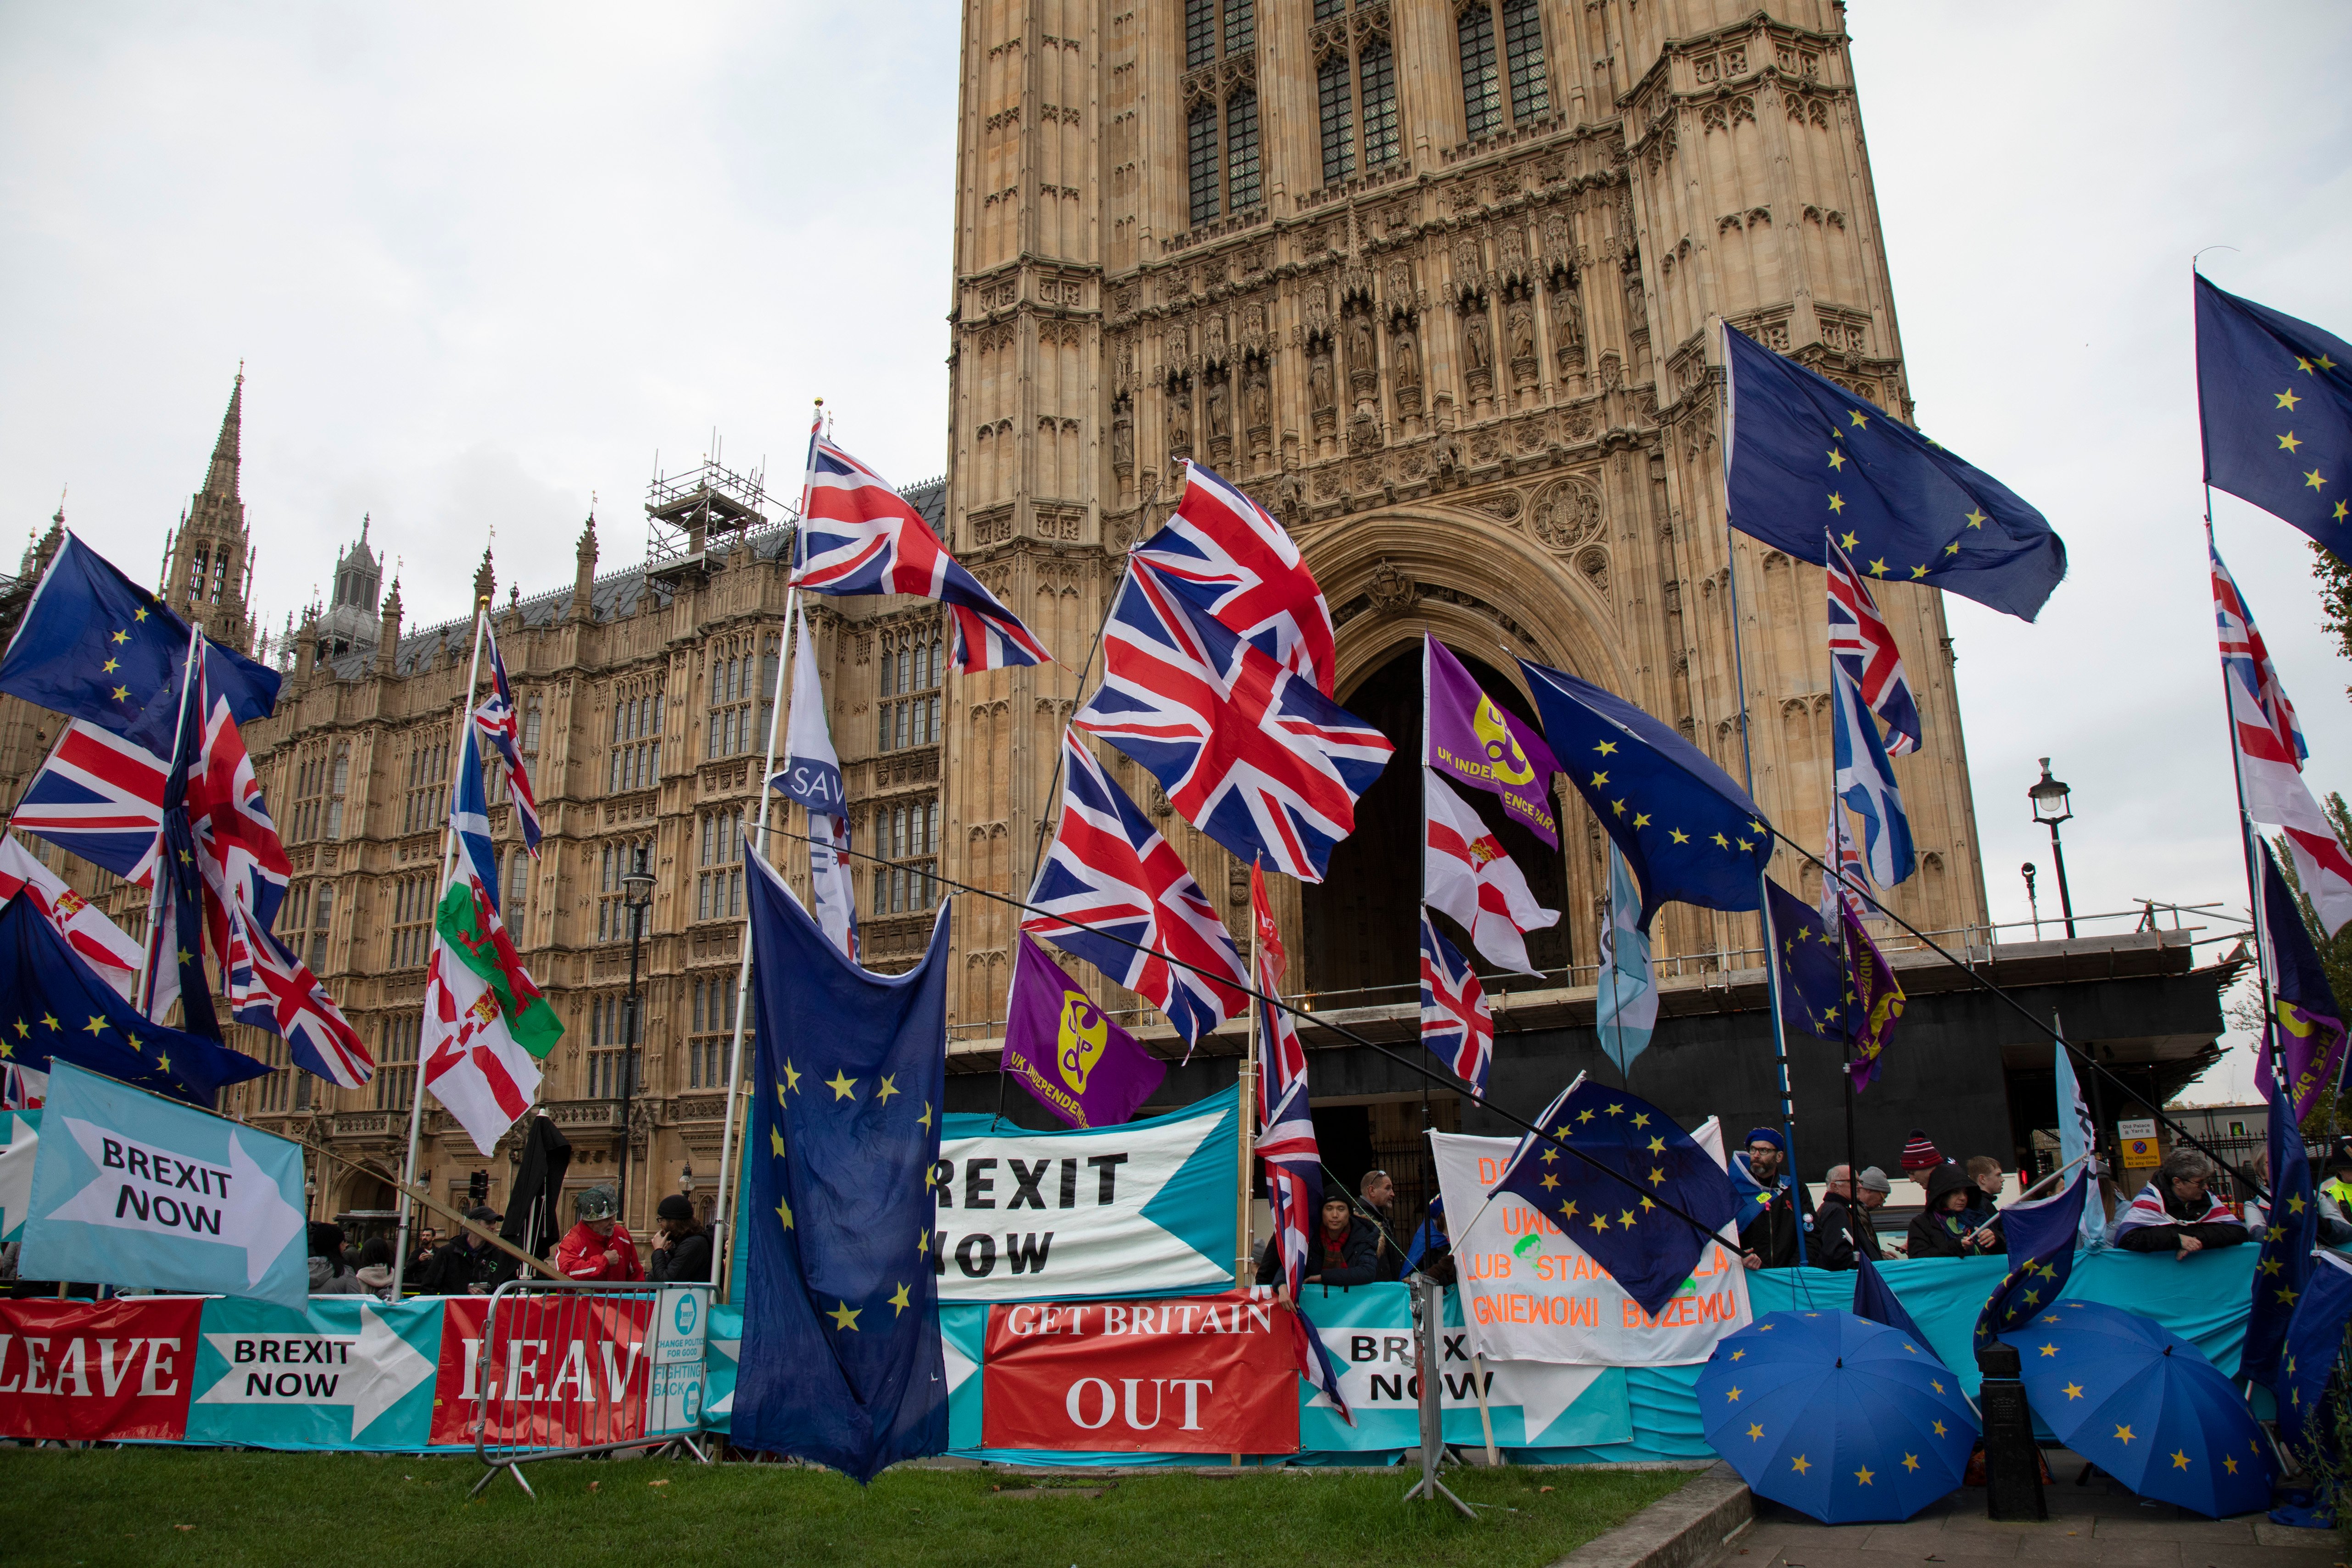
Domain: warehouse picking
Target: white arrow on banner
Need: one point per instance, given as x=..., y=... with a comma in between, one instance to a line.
x=16, y=1175
x=371, y=1371
x=165, y=1193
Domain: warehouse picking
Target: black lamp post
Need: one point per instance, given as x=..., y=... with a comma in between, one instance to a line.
x=2032, y=904
x=2050, y=809
x=637, y=895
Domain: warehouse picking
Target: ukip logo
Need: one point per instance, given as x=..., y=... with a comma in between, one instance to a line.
x=1509, y=764
x=1085, y=1032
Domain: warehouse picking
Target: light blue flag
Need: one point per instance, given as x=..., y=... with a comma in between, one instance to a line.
x=471, y=816
x=1625, y=1008
x=20, y=1142
x=133, y=1189
x=1866, y=781
x=2076, y=1139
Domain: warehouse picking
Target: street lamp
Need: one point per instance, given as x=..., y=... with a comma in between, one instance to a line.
x=637, y=896
x=2050, y=809
x=2032, y=904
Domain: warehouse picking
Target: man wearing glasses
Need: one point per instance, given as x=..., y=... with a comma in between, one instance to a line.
x=2175, y=1212
x=1772, y=1235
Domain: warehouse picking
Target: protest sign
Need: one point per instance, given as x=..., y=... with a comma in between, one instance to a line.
x=1143, y=1208
x=135, y=1189
x=1203, y=1375
x=347, y=1372
x=681, y=1325
x=564, y=1371
x=75, y=1372
x=1531, y=1294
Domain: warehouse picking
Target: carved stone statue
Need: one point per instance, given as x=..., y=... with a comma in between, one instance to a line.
x=1405, y=351
x=1360, y=359
x=1260, y=398
x=1180, y=417
x=1220, y=420
x=1320, y=392
x=1122, y=437
x=1566, y=316
x=1523, y=334
x=1477, y=349
x=1212, y=346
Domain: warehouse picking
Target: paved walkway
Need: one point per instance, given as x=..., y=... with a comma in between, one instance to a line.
x=2100, y=1523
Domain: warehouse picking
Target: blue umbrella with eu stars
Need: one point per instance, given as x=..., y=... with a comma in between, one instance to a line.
x=1837, y=1416
x=2145, y=1405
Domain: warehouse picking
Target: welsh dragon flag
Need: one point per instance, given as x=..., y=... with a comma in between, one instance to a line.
x=487, y=1027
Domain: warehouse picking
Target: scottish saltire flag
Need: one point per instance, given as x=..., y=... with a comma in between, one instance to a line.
x=1689, y=832
x=131, y=1188
x=94, y=645
x=2274, y=400
x=2267, y=739
x=100, y=797
x=2078, y=1144
x=1866, y=783
x=1467, y=874
x=1625, y=1004
x=54, y=1007
x=1115, y=894
x=812, y=776
x=469, y=819
x=2314, y=1343
x=1244, y=566
x=1861, y=640
x=1802, y=453
x=2041, y=1235
x=105, y=947
x=501, y=725
x=859, y=536
x=841, y=1360
x=1249, y=752
x=1456, y=1023
x=1636, y=1157
x=2289, y=1232
x=1286, y=1127
x=2303, y=1039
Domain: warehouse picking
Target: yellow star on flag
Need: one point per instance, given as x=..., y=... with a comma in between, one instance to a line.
x=1755, y=1432
x=2231, y=1465
x=2288, y=443
x=1937, y=1427
x=1910, y=1461
x=1549, y=1181
x=898, y=1302
x=1918, y=572
x=1849, y=540
x=923, y=1243
x=2123, y=1434
x=123, y=694
x=1837, y=458
x=776, y=1141
x=792, y=1079
x=1799, y=1465
x=1600, y=779
x=1837, y=501
x=2050, y=1350
x=1678, y=836
x=889, y=1086
x=49, y=1021
x=1855, y=415
x=2287, y=400
x=2313, y=479
x=1600, y=1222
x=24, y=1030
x=1863, y=1475
x=842, y=1084
x=1721, y=842
x=2180, y=1459
x=1878, y=568
x=2073, y=1391
x=845, y=1317
x=1976, y=518
x=110, y=666
x=1658, y=1145
x=924, y=1121
x=1641, y=820
x=1625, y=1220
x=1953, y=548
x=785, y=1213
x=121, y=637
x=1732, y=1395
x=97, y=1025
x=1606, y=748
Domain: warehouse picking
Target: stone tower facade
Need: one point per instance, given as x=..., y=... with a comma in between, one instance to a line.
x=1434, y=280
x=207, y=560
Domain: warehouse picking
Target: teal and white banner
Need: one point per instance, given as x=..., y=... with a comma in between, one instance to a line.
x=677, y=1386
x=347, y=1372
x=1141, y=1209
x=133, y=1189
x=20, y=1140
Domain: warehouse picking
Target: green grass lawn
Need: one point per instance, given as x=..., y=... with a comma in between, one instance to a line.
x=325, y=1510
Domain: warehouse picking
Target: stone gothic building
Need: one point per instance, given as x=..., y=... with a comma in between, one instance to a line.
x=1433, y=281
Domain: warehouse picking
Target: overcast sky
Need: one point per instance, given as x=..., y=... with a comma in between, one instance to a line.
x=482, y=263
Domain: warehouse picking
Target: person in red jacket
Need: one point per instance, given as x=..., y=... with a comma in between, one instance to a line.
x=599, y=1247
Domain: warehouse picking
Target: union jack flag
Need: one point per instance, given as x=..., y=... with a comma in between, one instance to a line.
x=501, y=725
x=2248, y=660
x=1111, y=875
x=1286, y=1127
x=102, y=944
x=1861, y=641
x=1846, y=867
x=860, y=536
x=1456, y=1023
x=1248, y=572
x=1250, y=752
x=100, y=797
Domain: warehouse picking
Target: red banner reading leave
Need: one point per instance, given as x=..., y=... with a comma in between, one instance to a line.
x=118, y=1370
x=563, y=1371
x=1202, y=1374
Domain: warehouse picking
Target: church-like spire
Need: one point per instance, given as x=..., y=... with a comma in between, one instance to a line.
x=229, y=451
x=208, y=561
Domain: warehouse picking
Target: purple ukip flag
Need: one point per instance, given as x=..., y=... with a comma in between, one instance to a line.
x=1066, y=1052
x=1471, y=739
x=1874, y=1000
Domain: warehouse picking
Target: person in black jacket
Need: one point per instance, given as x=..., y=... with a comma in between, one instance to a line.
x=1843, y=1228
x=1945, y=1228
x=1344, y=1249
x=467, y=1265
x=681, y=1247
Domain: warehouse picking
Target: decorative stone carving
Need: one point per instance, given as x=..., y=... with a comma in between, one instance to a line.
x=1567, y=513
x=1520, y=332
x=1566, y=323
x=1404, y=362
x=1180, y=418
x=1504, y=504
x=1220, y=420
x=1391, y=590
x=1122, y=438
x=1322, y=389
x=1213, y=338
x=1593, y=562
x=1477, y=351
x=1363, y=359
x=1257, y=408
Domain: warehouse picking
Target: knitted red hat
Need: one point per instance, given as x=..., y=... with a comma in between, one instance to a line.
x=1920, y=1154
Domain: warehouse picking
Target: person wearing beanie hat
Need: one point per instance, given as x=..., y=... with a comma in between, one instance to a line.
x=681, y=1247
x=1920, y=1154
x=1774, y=1213
x=599, y=1247
x=1843, y=1228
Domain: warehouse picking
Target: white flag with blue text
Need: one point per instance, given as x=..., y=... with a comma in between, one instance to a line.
x=812, y=776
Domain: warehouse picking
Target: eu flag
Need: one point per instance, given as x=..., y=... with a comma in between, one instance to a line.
x=841, y=1357
x=1610, y=1204
x=2314, y=1342
x=2290, y=1231
x=1808, y=456
x=54, y=1007
x=94, y=645
x=1686, y=828
x=2041, y=1236
x=1812, y=971
x=2274, y=396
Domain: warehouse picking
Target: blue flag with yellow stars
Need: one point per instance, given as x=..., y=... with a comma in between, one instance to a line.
x=94, y=645
x=1690, y=833
x=1611, y=1203
x=2291, y=1229
x=2274, y=396
x=54, y=1007
x=2041, y=1234
x=2314, y=1343
x=1805, y=453
x=841, y=1357
x=1812, y=971
x=175, y=941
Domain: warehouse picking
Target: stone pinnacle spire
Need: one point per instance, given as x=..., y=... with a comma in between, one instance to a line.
x=227, y=452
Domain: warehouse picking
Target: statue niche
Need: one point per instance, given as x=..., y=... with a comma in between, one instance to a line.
x=1322, y=389
x=1477, y=349
x=1180, y=418
x=1122, y=441
x=1404, y=365
x=1363, y=359
x=1257, y=407
x=1519, y=333
x=1566, y=323
x=1218, y=417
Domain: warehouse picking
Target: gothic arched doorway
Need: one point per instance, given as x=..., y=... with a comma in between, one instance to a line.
x=1360, y=923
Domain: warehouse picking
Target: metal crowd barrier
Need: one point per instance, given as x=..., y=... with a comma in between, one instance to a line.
x=568, y=1368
